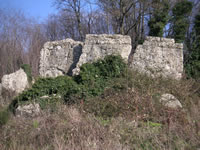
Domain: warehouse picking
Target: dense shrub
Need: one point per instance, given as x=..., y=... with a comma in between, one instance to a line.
x=62, y=85
x=94, y=77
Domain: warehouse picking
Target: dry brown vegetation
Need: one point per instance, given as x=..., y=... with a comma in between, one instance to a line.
x=127, y=116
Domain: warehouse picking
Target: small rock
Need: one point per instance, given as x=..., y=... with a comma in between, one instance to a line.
x=170, y=101
x=30, y=110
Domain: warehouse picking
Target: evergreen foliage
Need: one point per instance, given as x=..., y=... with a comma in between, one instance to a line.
x=159, y=19
x=180, y=21
x=193, y=64
x=62, y=85
x=94, y=78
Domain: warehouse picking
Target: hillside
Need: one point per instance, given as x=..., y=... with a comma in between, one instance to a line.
x=106, y=106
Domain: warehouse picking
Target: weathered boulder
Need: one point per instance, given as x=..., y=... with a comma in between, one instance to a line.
x=98, y=46
x=30, y=110
x=15, y=82
x=159, y=57
x=59, y=57
x=170, y=101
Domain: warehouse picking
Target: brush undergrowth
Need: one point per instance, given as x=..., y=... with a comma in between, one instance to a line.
x=4, y=116
x=109, y=107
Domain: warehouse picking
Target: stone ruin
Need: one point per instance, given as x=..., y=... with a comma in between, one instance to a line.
x=63, y=57
x=59, y=57
x=98, y=46
x=159, y=57
x=156, y=57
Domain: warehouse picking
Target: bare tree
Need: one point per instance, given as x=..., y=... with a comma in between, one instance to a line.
x=52, y=28
x=72, y=6
x=36, y=41
x=11, y=47
x=21, y=40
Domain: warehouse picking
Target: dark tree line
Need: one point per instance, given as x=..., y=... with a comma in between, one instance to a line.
x=22, y=38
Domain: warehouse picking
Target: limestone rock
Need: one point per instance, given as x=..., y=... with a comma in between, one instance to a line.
x=30, y=110
x=15, y=82
x=59, y=57
x=170, y=101
x=159, y=57
x=98, y=46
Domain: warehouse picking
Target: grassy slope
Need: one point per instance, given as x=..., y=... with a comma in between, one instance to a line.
x=126, y=115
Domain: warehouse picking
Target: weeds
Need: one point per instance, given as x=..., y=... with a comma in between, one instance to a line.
x=4, y=117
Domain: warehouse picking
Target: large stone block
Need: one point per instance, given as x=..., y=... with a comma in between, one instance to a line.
x=59, y=57
x=159, y=57
x=15, y=82
x=98, y=46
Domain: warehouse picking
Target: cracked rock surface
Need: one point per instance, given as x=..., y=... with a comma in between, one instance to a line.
x=159, y=57
x=59, y=57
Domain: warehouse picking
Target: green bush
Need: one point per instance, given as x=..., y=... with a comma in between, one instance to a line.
x=27, y=70
x=95, y=77
x=62, y=85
